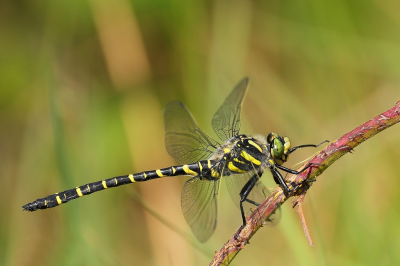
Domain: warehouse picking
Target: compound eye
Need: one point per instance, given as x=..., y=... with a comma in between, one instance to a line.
x=277, y=148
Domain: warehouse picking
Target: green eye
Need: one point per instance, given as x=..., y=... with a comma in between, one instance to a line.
x=277, y=148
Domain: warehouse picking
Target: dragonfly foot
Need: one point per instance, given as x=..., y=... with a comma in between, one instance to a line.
x=238, y=233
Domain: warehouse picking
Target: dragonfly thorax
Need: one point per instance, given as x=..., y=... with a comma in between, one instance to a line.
x=241, y=154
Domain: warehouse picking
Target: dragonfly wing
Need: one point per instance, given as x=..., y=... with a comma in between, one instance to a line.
x=199, y=206
x=185, y=141
x=226, y=121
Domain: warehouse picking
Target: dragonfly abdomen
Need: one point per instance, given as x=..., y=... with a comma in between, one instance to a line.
x=195, y=169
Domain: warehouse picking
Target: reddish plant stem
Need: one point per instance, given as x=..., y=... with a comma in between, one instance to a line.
x=322, y=161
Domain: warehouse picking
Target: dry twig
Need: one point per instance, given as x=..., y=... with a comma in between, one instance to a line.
x=299, y=203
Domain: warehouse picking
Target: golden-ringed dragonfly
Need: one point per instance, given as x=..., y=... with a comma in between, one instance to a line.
x=240, y=159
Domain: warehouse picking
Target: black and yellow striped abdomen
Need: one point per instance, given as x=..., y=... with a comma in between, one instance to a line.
x=201, y=168
x=245, y=155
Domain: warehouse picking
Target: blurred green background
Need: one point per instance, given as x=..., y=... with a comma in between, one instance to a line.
x=82, y=89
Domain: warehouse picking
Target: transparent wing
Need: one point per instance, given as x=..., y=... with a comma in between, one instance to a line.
x=185, y=141
x=199, y=206
x=226, y=121
x=235, y=184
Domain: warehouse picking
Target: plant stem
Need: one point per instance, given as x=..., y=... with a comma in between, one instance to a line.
x=321, y=162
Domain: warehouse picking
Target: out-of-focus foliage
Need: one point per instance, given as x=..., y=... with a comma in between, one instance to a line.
x=82, y=87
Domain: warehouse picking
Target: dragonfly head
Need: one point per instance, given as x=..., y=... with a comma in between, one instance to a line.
x=279, y=147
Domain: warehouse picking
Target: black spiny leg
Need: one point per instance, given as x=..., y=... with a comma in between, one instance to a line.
x=244, y=193
x=253, y=202
x=278, y=177
x=279, y=180
x=306, y=145
x=291, y=171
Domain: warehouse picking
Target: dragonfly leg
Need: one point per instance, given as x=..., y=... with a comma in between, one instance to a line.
x=306, y=145
x=244, y=193
x=279, y=180
x=291, y=171
x=253, y=202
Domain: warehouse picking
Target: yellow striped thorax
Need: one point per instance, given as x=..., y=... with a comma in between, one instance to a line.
x=279, y=147
x=242, y=154
x=249, y=158
x=215, y=173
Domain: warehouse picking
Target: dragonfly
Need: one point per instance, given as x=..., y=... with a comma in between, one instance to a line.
x=239, y=159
